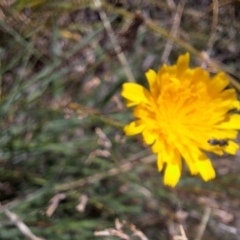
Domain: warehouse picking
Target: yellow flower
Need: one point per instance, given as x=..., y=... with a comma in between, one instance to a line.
x=184, y=113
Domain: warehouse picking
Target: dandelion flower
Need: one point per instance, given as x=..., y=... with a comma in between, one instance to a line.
x=183, y=114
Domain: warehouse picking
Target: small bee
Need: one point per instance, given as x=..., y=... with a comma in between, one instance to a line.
x=221, y=143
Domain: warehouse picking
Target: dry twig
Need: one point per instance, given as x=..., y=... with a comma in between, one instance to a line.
x=83, y=199
x=115, y=43
x=103, y=139
x=214, y=26
x=203, y=223
x=54, y=202
x=23, y=228
x=118, y=231
x=217, y=66
x=174, y=30
x=112, y=172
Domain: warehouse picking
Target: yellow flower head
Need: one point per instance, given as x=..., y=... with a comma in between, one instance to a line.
x=184, y=112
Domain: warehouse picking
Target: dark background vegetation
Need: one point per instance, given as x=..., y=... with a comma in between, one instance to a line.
x=62, y=117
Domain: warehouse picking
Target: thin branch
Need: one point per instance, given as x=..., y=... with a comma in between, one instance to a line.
x=174, y=31
x=112, y=172
x=121, y=57
x=212, y=38
x=23, y=228
x=203, y=223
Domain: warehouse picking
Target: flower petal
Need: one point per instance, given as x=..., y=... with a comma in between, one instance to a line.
x=219, y=82
x=135, y=93
x=173, y=171
x=160, y=162
x=205, y=168
x=141, y=111
x=152, y=81
x=134, y=128
x=149, y=137
x=182, y=64
x=233, y=122
x=231, y=148
x=158, y=146
x=221, y=134
x=185, y=152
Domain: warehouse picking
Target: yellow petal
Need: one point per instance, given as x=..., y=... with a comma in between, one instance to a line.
x=222, y=134
x=158, y=146
x=149, y=137
x=236, y=104
x=191, y=165
x=141, y=111
x=182, y=64
x=160, y=162
x=233, y=122
x=199, y=74
x=135, y=93
x=172, y=175
x=173, y=171
x=205, y=168
x=228, y=94
x=185, y=152
x=134, y=128
x=219, y=134
x=130, y=103
x=152, y=81
x=231, y=148
x=219, y=82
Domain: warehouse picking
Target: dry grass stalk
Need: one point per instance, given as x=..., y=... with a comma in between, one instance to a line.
x=138, y=233
x=127, y=36
x=103, y=139
x=204, y=222
x=23, y=228
x=83, y=199
x=214, y=26
x=182, y=236
x=54, y=202
x=112, y=232
x=112, y=172
x=118, y=231
x=174, y=31
x=216, y=66
x=114, y=41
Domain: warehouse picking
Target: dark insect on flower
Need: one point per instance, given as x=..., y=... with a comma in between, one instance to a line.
x=221, y=143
